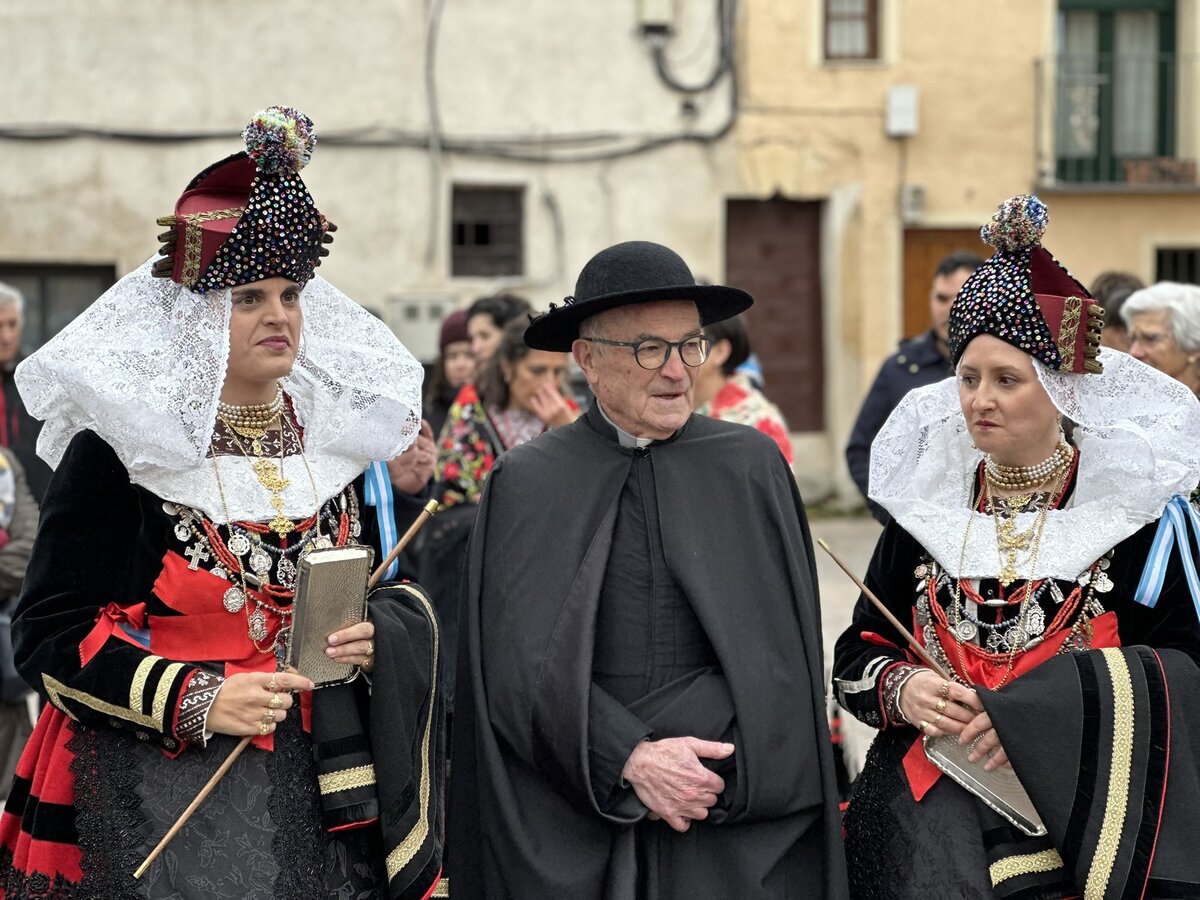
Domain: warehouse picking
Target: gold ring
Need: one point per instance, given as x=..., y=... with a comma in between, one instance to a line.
x=272, y=685
x=936, y=720
x=269, y=715
x=940, y=706
x=924, y=725
x=275, y=702
x=264, y=728
x=370, y=649
x=944, y=690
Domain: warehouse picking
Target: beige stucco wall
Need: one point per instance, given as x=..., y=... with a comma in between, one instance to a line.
x=534, y=70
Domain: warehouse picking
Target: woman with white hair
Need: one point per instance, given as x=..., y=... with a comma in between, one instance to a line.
x=1164, y=329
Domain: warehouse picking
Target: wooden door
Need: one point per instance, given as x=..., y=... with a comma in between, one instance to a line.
x=772, y=250
x=924, y=248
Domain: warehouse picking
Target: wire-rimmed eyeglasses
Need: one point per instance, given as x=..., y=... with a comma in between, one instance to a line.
x=653, y=353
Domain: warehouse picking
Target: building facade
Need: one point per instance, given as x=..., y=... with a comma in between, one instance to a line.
x=821, y=153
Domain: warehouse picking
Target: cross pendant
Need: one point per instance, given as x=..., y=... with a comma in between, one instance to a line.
x=196, y=554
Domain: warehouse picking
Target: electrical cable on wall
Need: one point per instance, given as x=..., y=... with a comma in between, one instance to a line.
x=562, y=148
x=723, y=63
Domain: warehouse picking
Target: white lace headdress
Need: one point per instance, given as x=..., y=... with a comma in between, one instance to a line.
x=1138, y=434
x=143, y=367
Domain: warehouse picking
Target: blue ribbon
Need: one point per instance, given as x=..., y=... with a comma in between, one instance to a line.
x=1171, y=527
x=377, y=492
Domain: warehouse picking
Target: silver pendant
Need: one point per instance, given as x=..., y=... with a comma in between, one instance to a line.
x=993, y=643
x=170, y=508
x=1014, y=637
x=1085, y=578
x=239, y=545
x=966, y=630
x=234, y=600
x=322, y=543
x=355, y=529
x=1035, y=620
x=220, y=572
x=921, y=571
x=258, y=625
x=260, y=562
x=286, y=570
x=1102, y=583
x=182, y=532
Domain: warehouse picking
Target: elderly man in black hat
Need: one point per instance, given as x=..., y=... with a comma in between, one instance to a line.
x=640, y=703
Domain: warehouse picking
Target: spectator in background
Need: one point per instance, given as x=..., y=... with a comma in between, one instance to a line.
x=725, y=392
x=486, y=318
x=454, y=368
x=1111, y=290
x=18, y=525
x=18, y=430
x=919, y=361
x=1164, y=329
x=518, y=395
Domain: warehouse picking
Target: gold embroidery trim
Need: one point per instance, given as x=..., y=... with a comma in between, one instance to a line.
x=404, y=852
x=137, y=687
x=442, y=889
x=1118, y=779
x=1025, y=864
x=1068, y=332
x=160, y=694
x=346, y=779
x=56, y=690
x=193, y=237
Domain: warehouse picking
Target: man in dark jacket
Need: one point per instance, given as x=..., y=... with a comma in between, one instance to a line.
x=640, y=708
x=918, y=361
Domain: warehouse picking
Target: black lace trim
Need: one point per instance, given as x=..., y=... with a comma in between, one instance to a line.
x=298, y=843
x=107, y=813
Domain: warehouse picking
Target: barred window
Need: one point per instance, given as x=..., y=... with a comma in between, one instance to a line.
x=1177, y=264
x=486, y=237
x=54, y=295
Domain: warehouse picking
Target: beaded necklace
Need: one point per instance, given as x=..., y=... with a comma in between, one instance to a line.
x=236, y=597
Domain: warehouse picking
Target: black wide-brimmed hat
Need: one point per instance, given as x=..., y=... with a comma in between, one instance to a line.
x=632, y=272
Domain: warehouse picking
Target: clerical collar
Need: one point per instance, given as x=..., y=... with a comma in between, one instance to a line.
x=624, y=438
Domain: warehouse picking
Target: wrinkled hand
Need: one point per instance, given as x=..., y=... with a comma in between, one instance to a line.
x=985, y=743
x=243, y=703
x=919, y=701
x=549, y=405
x=354, y=646
x=412, y=469
x=670, y=780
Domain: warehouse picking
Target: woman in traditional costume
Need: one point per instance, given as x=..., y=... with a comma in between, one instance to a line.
x=1053, y=576
x=210, y=418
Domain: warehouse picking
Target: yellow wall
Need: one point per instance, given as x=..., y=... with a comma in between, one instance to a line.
x=815, y=130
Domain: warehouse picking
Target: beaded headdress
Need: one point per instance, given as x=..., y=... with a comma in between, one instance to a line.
x=249, y=216
x=1024, y=296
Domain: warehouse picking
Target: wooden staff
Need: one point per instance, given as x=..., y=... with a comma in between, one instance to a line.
x=912, y=641
x=422, y=518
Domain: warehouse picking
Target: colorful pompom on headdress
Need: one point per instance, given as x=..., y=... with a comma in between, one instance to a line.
x=249, y=216
x=1024, y=296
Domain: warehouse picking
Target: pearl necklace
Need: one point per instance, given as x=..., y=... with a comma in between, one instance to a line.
x=1023, y=478
x=254, y=417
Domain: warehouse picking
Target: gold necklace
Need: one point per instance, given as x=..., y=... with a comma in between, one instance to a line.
x=270, y=477
x=256, y=626
x=1021, y=623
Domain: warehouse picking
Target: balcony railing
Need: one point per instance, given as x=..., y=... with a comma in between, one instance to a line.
x=1117, y=119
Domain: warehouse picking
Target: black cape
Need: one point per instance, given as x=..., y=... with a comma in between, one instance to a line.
x=1116, y=780
x=524, y=820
